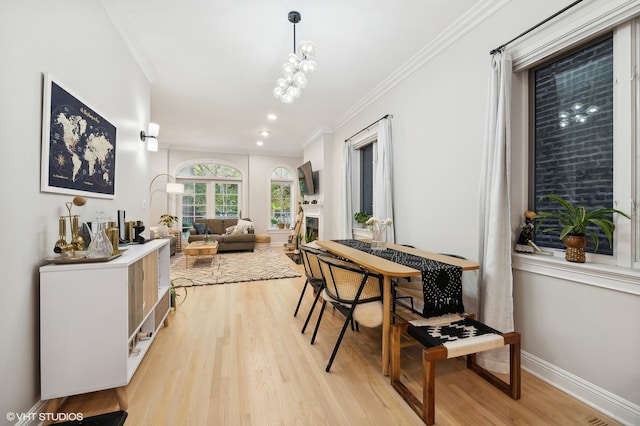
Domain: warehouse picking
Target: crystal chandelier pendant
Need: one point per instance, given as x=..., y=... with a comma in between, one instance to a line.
x=296, y=67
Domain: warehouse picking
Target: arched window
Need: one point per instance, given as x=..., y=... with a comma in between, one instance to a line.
x=281, y=197
x=211, y=190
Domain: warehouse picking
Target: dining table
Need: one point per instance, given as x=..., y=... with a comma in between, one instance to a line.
x=389, y=269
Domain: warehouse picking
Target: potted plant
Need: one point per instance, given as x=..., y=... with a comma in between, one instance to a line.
x=573, y=225
x=309, y=236
x=362, y=218
x=174, y=294
x=168, y=220
x=298, y=241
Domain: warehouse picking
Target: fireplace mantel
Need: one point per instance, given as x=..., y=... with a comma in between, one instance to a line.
x=312, y=210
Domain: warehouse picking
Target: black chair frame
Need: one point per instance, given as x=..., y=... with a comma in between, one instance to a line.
x=339, y=303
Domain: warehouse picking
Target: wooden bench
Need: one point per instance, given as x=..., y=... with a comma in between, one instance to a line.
x=434, y=350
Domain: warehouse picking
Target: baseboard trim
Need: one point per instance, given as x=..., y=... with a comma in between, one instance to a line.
x=594, y=396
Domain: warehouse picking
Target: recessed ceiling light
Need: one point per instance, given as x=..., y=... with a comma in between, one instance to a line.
x=259, y=143
x=272, y=117
x=264, y=133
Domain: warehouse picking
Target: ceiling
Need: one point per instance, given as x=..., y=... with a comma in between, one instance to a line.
x=213, y=64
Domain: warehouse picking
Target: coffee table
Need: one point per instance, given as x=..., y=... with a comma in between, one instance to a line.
x=200, y=248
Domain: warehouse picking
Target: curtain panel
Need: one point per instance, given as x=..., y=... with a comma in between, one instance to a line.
x=496, y=277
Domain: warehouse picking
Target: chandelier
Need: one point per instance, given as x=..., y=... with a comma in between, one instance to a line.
x=296, y=67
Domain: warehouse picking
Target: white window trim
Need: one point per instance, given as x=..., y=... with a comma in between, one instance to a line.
x=603, y=276
x=294, y=198
x=586, y=22
x=583, y=22
x=365, y=139
x=357, y=143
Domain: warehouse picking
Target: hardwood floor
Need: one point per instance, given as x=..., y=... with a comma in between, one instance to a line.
x=233, y=354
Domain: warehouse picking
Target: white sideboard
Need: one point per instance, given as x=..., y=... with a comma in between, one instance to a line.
x=97, y=320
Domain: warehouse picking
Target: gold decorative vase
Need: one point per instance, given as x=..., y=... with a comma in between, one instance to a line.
x=575, y=248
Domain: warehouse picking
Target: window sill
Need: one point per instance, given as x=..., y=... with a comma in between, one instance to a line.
x=604, y=276
x=279, y=231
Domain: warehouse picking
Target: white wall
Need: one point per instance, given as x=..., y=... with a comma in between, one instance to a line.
x=256, y=174
x=579, y=337
x=319, y=151
x=76, y=42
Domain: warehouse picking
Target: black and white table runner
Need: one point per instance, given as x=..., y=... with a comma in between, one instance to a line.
x=441, y=282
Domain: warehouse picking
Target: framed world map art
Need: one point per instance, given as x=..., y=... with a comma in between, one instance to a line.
x=78, y=145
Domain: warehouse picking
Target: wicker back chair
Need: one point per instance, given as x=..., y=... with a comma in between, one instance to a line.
x=314, y=279
x=347, y=286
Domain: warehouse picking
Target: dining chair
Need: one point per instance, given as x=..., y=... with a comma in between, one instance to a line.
x=353, y=291
x=313, y=278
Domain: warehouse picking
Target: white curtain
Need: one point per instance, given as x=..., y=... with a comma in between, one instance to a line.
x=496, y=278
x=346, y=191
x=383, y=176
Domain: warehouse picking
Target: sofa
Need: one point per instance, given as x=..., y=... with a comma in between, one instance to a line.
x=231, y=234
x=164, y=232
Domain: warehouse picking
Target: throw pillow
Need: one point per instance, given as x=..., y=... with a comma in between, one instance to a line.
x=200, y=228
x=243, y=226
x=162, y=231
x=230, y=230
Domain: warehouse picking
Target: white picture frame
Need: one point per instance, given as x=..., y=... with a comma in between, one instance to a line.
x=78, y=145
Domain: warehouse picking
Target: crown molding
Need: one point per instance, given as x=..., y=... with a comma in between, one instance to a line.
x=321, y=130
x=474, y=16
x=123, y=26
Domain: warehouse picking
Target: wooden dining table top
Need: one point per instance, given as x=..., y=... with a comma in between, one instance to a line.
x=387, y=267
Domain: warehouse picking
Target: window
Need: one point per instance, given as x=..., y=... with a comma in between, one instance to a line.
x=573, y=133
x=226, y=200
x=281, y=196
x=194, y=202
x=362, y=167
x=366, y=179
x=583, y=126
x=211, y=190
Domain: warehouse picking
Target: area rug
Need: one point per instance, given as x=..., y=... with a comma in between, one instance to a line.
x=235, y=267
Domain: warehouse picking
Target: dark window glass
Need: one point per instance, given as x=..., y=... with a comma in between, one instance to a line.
x=573, y=133
x=366, y=179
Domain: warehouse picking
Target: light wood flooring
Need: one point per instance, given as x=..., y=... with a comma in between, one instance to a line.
x=233, y=354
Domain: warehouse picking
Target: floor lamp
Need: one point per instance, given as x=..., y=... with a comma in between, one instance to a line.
x=171, y=187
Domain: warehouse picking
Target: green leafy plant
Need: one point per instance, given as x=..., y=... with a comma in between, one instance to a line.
x=309, y=236
x=575, y=219
x=361, y=217
x=168, y=220
x=175, y=295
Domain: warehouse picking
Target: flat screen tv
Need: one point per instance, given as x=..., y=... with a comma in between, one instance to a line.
x=306, y=179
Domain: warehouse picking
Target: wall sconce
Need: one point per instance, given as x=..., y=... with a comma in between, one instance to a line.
x=152, y=136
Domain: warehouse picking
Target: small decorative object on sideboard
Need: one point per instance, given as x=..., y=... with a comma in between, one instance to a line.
x=100, y=246
x=79, y=249
x=77, y=243
x=574, y=221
